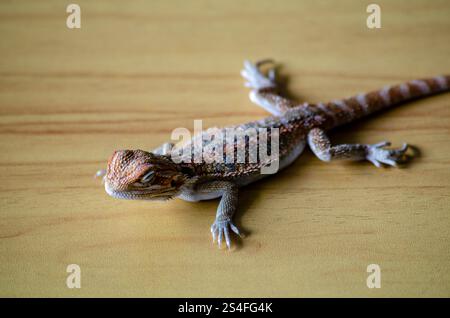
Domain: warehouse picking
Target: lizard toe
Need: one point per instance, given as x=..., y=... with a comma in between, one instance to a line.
x=255, y=78
x=221, y=231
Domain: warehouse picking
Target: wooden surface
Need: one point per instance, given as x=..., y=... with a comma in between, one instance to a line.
x=138, y=69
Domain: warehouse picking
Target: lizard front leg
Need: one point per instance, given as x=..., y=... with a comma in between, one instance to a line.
x=265, y=89
x=321, y=146
x=228, y=191
x=165, y=149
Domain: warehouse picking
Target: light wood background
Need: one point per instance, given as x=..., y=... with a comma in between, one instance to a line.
x=138, y=69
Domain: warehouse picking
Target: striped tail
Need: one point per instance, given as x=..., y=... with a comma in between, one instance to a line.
x=339, y=112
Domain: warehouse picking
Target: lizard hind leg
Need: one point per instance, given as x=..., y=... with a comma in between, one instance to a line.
x=265, y=89
x=376, y=154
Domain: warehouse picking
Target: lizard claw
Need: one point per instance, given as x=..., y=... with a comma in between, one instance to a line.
x=378, y=155
x=255, y=78
x=100, y=174
x=221, y=230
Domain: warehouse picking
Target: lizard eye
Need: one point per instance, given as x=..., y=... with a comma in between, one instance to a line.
x=148, y=177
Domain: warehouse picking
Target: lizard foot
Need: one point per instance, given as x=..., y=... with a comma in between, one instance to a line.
x=378, y=155
x=221, y=229
x=100, y=174
x=255, y=79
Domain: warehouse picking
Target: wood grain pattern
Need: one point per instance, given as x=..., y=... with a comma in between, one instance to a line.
x=138, y=69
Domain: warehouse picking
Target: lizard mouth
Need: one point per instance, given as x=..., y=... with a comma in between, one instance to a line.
x=162, y=195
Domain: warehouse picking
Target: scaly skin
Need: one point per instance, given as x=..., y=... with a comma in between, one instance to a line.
x=138, y=174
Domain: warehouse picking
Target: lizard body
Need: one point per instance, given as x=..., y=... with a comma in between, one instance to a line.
x=138, y=174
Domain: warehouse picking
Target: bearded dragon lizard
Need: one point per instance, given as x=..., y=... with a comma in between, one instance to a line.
x=154, y=175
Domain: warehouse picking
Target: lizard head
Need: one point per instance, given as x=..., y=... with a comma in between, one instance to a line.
x=137, y=174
